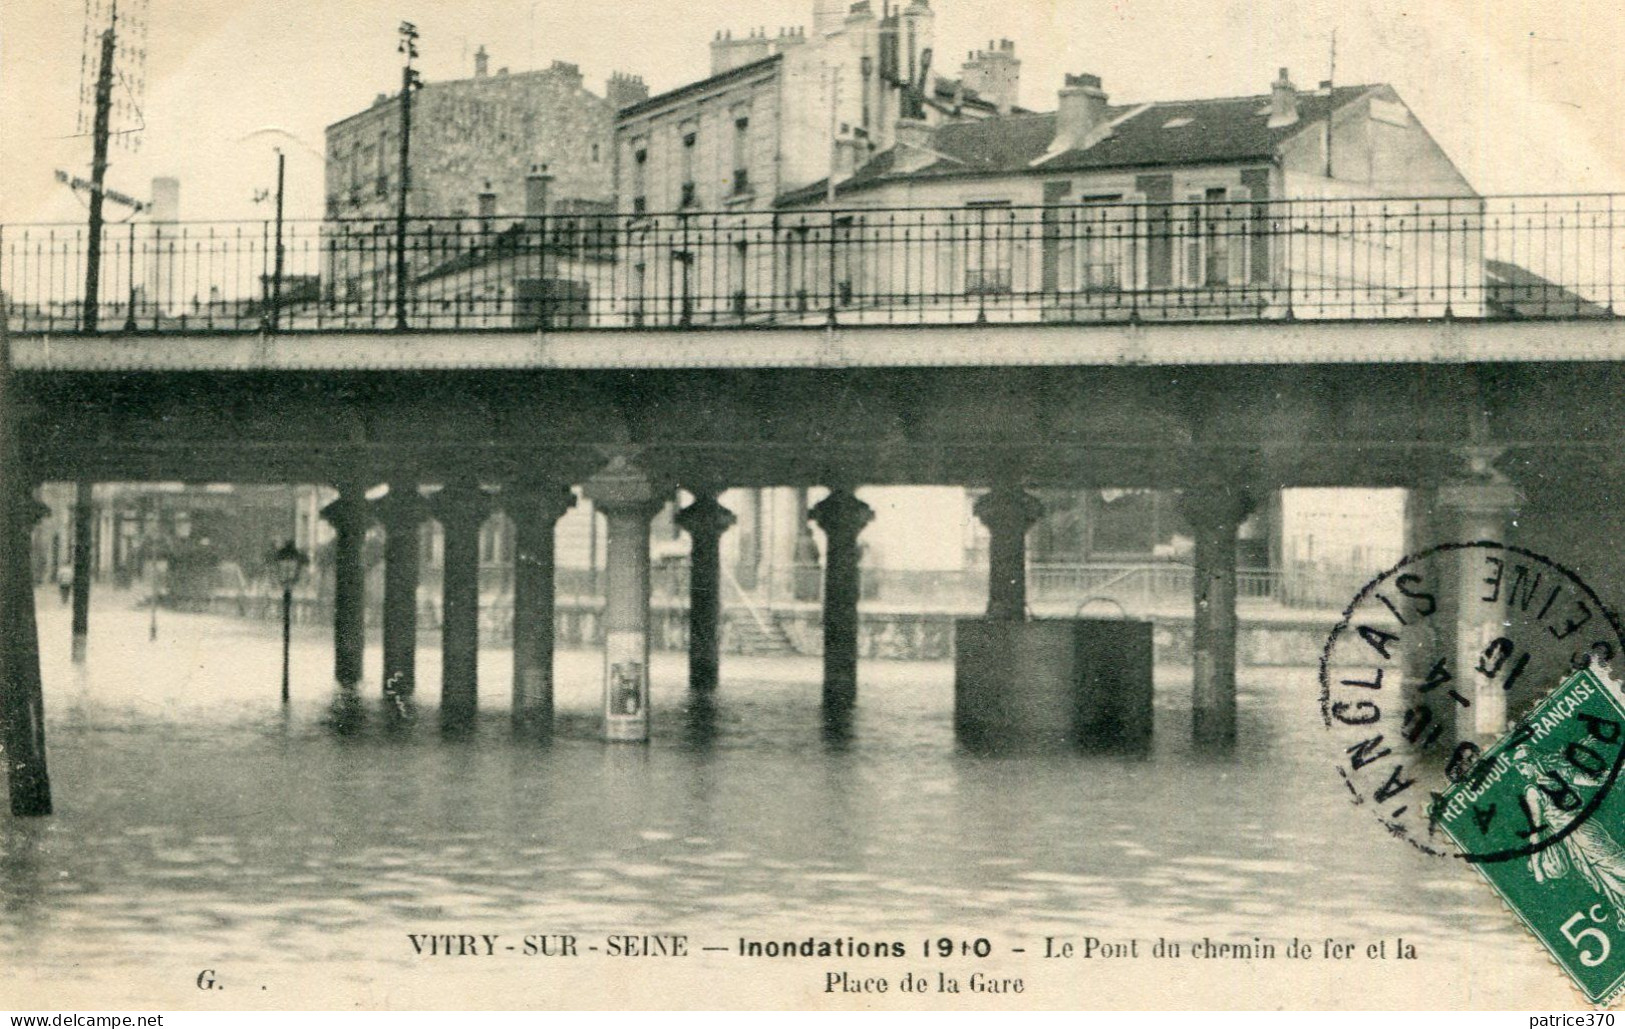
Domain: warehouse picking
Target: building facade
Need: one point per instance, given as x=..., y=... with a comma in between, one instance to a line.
x=490, y=157
x=1180, y=210
x=473, y=143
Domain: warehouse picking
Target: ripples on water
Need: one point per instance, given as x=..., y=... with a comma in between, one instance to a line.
x=198, y=820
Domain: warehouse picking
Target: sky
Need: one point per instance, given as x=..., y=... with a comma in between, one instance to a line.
x=1522, y=100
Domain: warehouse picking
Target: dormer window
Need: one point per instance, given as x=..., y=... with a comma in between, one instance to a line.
x=1176, y=123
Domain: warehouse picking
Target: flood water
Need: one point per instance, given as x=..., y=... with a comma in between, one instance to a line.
x=200, y=826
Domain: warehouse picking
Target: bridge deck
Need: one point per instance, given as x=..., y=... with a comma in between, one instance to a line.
x=1160, y=344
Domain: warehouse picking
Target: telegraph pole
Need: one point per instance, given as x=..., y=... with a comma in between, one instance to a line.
x=98, y=174
x=1331, y=106
x=409, y=79
x=276, y=273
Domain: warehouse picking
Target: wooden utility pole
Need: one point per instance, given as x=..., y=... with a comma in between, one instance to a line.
x=409, y=77
x=98, y=175
x=1331, y=105
x=276, y=274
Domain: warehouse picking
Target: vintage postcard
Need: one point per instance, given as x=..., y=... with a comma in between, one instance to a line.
x=811, y=504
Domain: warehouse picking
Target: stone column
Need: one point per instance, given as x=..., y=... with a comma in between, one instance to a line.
x=1419, y=643
x=705, y=521
x=461, y=508
x=349, y=518
x=22, y=701
x=1214, y=514
x=400, y=511
x=842, y=516
x=628, y=500
x=1481, y=510
x=83, y=510
x=1008, y=512
x=535, y=511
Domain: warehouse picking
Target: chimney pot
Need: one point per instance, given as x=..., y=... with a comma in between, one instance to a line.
x=1283, y=102
x=482, y=62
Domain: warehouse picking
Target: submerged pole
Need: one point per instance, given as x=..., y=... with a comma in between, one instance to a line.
x=22, y=704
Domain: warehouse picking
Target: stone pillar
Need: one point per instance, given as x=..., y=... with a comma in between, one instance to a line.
x=22, y=701
x=400, y=511
x=349, y=518
x=1419, y=643
x=1214, y=514
x=1481, y=510
x=842, y=516
x=1008, y=512
x=535, y=511
x=461, y=508
x=705, y=521
x=83, y=510
x=628, y=500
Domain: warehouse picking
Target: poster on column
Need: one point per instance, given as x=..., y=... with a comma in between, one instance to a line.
x=626, y=686
x=1331, y=288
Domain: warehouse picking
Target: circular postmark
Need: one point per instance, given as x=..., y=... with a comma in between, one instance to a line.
x=1436, y=659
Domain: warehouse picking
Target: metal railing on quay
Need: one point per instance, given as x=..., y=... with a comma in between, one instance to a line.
x=1556, y=256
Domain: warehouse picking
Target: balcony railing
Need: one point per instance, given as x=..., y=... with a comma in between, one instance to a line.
x=1493, y=257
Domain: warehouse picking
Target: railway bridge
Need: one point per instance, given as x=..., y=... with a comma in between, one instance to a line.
x=518, y=365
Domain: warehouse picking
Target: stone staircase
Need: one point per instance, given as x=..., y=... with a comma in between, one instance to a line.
x=758, y=633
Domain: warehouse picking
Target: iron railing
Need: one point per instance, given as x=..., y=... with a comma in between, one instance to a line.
x=1558, y=256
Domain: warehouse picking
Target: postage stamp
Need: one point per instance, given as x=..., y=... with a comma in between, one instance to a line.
x=1536, y=818
x=1436, y=657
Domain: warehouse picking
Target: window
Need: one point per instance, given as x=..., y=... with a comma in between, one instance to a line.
x=736, y=278
x=1102, y=255
x=741, y=182
x=1216, y=239
x=987, y=245
x=691, y=139
x=636, y=289
x=595, y=153
x=640, y=177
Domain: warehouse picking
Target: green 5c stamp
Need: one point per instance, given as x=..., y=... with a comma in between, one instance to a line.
x=1537, y=817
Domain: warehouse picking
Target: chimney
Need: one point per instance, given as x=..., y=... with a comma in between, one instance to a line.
x=536, y=184
x=1080, y=116
x=828, y=15
x=728, y=53
x=482, y=63
x=1283, y=103
x=849, y=153
x=994, y=74
x=624, y=90
x=166, y=200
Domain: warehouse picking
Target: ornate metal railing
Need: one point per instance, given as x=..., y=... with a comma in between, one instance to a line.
x=1558, y=256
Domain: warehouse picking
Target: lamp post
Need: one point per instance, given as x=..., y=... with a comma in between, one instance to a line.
x=290, y=563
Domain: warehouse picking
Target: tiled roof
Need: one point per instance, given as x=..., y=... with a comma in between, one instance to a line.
x=1206, y=132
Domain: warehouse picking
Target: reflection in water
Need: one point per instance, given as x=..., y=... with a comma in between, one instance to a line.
x=700, y=727
x=196, y=823
x=346, y=715
x=838, y=723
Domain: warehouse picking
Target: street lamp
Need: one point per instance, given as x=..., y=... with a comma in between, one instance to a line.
x=290, y=563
